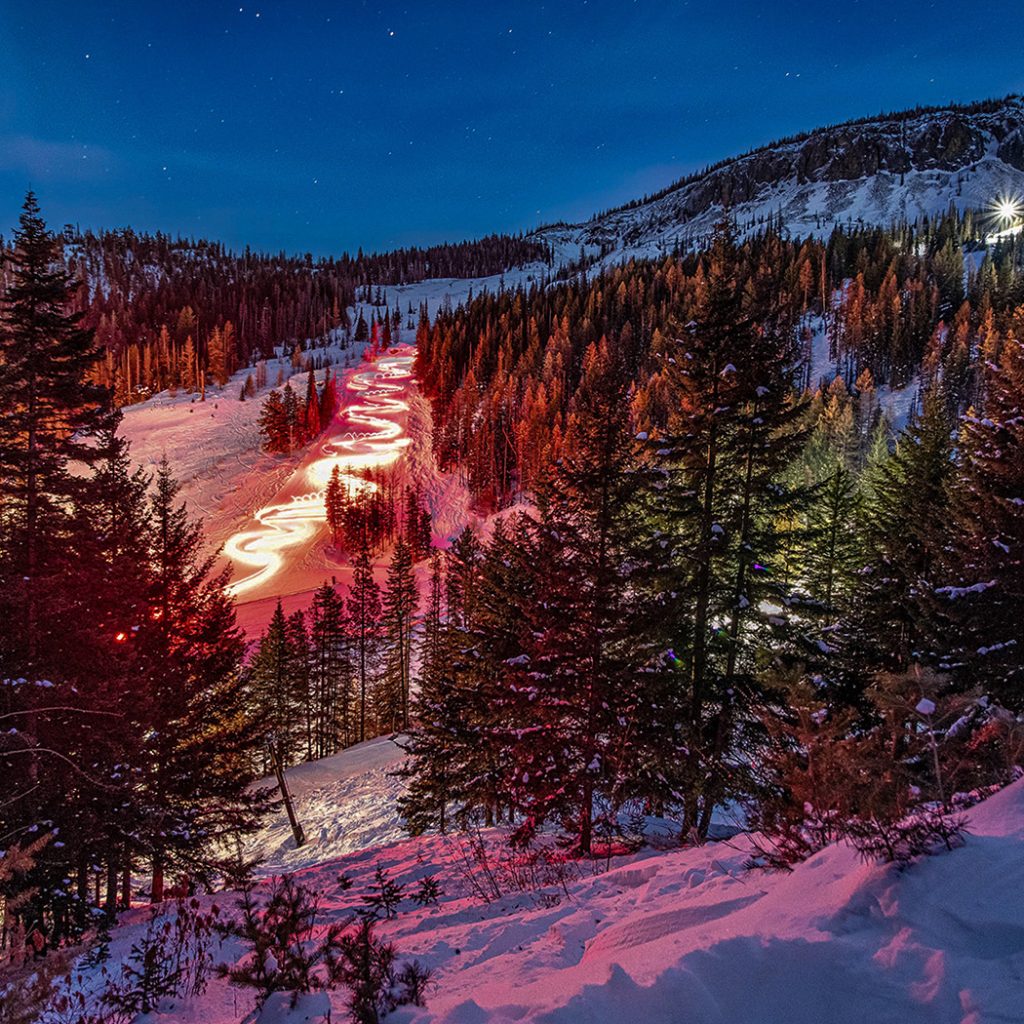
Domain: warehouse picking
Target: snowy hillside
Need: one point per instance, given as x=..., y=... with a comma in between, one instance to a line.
x=657, y=936
x=874, y=171
x=213, y=446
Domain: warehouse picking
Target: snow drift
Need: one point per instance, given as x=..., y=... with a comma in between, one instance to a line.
x=659, y=936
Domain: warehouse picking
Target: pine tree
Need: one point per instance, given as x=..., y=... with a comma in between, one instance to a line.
x=571, y=709
x=716, y=504
x=298, y=646
x=364, y=613
x=197, y=760
x=54, y=427
x=981, y=582
x=335, y=506
x=362, y=332
x=188, y=364
x=832, y=552
x=399, y=614
x=273, y=424
x=217, y=357
x=328, y=399
x=109, y=586
x=331, y=677
x=437, y=737
x=904, y=516
x=276, y=683
x=311, y=414
x=48, y=415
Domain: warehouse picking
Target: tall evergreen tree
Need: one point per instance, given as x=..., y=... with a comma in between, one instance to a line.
x=277, y=687
x=311, y=424
x=335, y=506
x=832, y=550
x=331, y=681
x=436, y=740
x=716, y=502
x=904, y=518
x=197, y=759
x=399, y=617
x=49, y=412
x=364, y=613
x=572, y=708
x=980, y=586
x=273, y=424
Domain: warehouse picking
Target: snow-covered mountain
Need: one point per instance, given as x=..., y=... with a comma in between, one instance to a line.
x=875, y=170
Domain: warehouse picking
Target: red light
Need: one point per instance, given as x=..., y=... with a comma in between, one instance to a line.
x=121, y=637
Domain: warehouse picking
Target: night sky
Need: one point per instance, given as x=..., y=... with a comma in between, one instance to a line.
x=322, y=127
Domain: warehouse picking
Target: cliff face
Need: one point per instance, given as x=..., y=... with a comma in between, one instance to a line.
x=875, y=170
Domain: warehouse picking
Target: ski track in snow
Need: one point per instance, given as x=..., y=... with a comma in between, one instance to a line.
x=293, y=521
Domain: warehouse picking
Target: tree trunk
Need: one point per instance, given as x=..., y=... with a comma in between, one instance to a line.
x=126, y=880
x=157, y=889
x=586, y=809
x=111, y=896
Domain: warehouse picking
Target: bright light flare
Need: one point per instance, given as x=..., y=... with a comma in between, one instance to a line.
x=295, y=522
x=1007, y=210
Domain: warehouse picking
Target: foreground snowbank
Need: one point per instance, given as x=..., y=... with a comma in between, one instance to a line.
x=683, y=935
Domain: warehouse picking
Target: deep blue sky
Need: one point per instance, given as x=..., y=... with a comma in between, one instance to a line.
x=324, y=126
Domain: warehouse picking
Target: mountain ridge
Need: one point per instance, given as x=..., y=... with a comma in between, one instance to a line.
x=881, y=169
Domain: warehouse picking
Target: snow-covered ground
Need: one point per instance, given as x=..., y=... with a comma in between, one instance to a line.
x=213, y=446
x=658, y=936
x=346, y=802
x=896, y=404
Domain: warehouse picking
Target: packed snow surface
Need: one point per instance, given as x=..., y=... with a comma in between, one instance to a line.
x=662, y=935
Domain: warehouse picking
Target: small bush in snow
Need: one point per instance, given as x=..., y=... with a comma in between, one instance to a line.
x=492, y=870
x=428, y=892
x=385, y=894
x=918, y=835
x=880, y=782
x=172, y=959
x=366, y=966
x=283, y=949
x=288, y=951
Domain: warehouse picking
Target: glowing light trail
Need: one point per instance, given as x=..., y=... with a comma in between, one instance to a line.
x=292, y=523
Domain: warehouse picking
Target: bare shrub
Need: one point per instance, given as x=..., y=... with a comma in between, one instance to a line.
x=492, y=870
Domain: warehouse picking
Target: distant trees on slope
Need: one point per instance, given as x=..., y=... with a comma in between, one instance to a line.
x=168, y=313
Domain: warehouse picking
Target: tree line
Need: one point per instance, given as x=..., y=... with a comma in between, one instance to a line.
x=502, y=371
x=172, y=312
x=732, y=590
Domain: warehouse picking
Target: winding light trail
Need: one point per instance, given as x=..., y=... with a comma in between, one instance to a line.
x=296, y=518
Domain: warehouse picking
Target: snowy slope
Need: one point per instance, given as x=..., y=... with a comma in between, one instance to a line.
x=663, y=936
x=874, y=171
x=213, y=446
x=346, y=802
